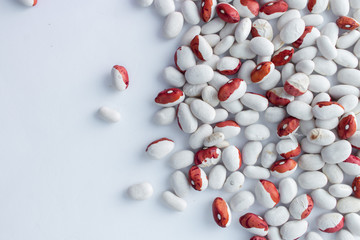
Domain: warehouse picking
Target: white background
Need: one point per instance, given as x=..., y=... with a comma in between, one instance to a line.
x=63, y=171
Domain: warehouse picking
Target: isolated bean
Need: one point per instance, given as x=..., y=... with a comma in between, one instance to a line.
x=326, y=48
x=232, y=90
x=160, y=148
x=109, y=114
x=141, y=191
x=268, y=155
x=245, y=71
x=309, y=147
x=224, y=45
x=207, y=10
x=318, y=83
x=173, y=25
x=212, y=26
x=228, y=65
x=327, y=110
x=184, y=58
x=228, y=30
x=321, y=136
x=214, y=139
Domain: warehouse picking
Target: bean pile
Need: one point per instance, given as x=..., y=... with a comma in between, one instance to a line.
x=317, y=118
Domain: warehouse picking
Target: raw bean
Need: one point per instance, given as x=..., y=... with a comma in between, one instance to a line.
x=307, y=97
x=29, y=3
x=224, y=45
x=120, y=77
x=207, y=10
x=254, y=224
x=262, y=28
x=287, y=127
x=164, y=7
x=352, y=223
x=340, y=7
x=243, y=29
x=355, y=4
x=247, y=117
x=287, y=17
x=199, y=74
x=228, y=30
x=231, y=157
x=356, y=49
x=228, y=128
x=346, y=59
x=327, y=110
x=308, y=38
x=333, y=173
x=173, y=25
x=234, y=182
x=241, y=201
x=292, y=30
x=288, y=190
x=324, y=67
x=332, y=31
x=317, y=6
x=174, y=201
x=217, y=177
x=339, y=91
x=211, y=62
x=232, y=90
x=311, y=162
x=356, y=186
x=347, y=23
x=190, y=34
x=201, y=48
x=337, y=152
x=313, y=20
x=248, y=9
x=232, y=107
x=218, y=80
x=306, y=53
x=207, y=157
x=348, y=205
x=283, y=56
x=262, y=72
x=278, y=43
x=179, y=184
x=344, y=235
x=109, y=114
x=245, y=71
x=323, y=199
x=165, y=116
x=288, y=148
x=301, y=207
x=321, y=97
x=327, y=124
x=293, y=229
x=257, y=132
x=318, y=83
x=214, y=139
x=228, y=65
x=174, y=77
x=326, y=48
x=197, y=178
x=312, y=180
x=330, y=222
x=273, y=9
x=182, y=159
x=254, y=101
x=277, y=216
x=351, y=166
x=142, y=3
x=190, y=12
x=261, y=46
x=212, y=26
x=321, y=136
x=349, y=76
x=279, y=97
x=299, y=110
x=266, y=194
x=184, y=58
x=202, y=110
x=313, y=236
x=251, y=152
x=274, y=233
x=348, y=39
x=297, y=84
x=160, y=148
x=212, y=39
x=274, y=114
x=306, y=66
x=242, y=50
x=309, y=147
x=297, y=4
x=340, y=190
x=268, y=155
x=141, y=191
x=221, y=115
x=221, y=212
x=256, y=172
x=186, y=120
x=209, y=95
x=227, y=13
x=223, y=144
x=283, y=168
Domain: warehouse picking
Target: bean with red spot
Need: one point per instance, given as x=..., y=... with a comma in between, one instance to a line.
x=254, y=224
x=228, y=65
x=283, y=168
x=266, y=193
x=287, y=127
x=283, y=56
x=262, y=28
x=207, y=10
x=201, y=48
x=356, y=186
x=232, y=90
x=327, y=110
x=221, y=212
x=279, y=97
x=207, y=157
x=301, y=207
x=184, y=58
x=330, y=222
x=273, y=9
x=288, y=148
x=228, y=128
x=228, y=13
x=197, y=178
x=262, y=72
x=308, y=38
x=347, y=23
x=160, y=148
x=247, y=8
x=351, y=166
